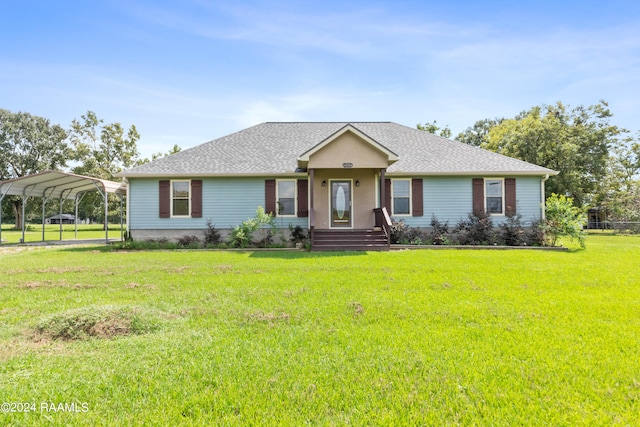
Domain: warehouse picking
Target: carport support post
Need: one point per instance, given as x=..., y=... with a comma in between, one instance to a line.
x=44, y=201
x=75, y=221
x=106, y=216
x=23, y=210
x=61, y=218
x=1, y=199
x=121, y=223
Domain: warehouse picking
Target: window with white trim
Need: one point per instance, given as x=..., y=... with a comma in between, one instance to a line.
x=401, y=196
x=286, y=197
x=180, y=198
x=494, y=196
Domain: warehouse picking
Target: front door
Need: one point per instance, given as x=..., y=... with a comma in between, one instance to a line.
x=340, y=203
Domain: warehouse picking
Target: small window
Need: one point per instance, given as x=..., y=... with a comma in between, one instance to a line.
x=286, y=198
x=494, y=196
x=180, y=198
x=401, y=195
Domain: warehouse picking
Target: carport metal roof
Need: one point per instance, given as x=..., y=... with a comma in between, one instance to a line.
x=60, y=185
x=56, y=185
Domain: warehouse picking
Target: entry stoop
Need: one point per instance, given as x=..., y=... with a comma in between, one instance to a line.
x=349, y=240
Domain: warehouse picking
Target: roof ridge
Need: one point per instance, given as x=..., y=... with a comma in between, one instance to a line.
x=329, y=122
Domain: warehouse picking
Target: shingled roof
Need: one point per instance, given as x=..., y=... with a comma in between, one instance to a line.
x=273, y=149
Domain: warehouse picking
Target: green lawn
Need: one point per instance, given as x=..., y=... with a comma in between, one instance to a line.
x=33, y=232
x=447, y=337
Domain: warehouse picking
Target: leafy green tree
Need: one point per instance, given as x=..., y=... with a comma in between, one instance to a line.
x=621, y=194
x=562, y=218
x=29, y=144
x=102, y=151
x=435, y=129
x=576, y=142
x=155, y=156
x=477, y=134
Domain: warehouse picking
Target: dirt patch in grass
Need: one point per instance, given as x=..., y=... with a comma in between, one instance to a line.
x=179, y=269
x=61, y=270
x=14, y=249
x=135, y=285
x=96, y=322
x=18, y=346
x=54, y=284
x=222, y=269
x=358, y=309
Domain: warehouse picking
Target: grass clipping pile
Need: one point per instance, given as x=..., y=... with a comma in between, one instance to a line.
x=96, y=322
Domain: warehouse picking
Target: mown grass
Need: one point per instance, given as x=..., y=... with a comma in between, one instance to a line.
x=33, y=232
x=291, y=338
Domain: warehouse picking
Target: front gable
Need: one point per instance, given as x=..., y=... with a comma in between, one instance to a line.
x=348, y=148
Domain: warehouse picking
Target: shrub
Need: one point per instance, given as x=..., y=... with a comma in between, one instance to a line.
x=267, y=239
x=242, y=234
x=159, y=240
x=563, y=219
x=439, y=231
x=477, y=229
x=189, y=242
x=404, y=234
x=298, y=235
x=534, y=235
x=512, y=232
x=399, y=232
x=161, y=243
x=211, y=235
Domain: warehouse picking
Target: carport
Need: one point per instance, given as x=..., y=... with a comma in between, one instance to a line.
x=63, y=186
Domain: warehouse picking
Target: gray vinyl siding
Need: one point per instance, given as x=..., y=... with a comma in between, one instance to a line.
x=225, y=201
x=450, y=199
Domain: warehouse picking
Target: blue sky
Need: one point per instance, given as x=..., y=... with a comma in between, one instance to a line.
x=185, y=72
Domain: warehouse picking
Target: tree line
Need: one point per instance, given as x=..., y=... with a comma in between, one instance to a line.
x=31, y=144
x=598, y=162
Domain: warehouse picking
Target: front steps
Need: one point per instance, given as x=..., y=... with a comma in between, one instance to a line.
x=349, y=240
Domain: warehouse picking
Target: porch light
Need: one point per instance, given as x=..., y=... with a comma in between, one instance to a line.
x=357, y=183
x=324, y=182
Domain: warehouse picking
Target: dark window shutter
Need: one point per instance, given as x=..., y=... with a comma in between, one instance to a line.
x=165, y=199
x=416, y=196
x=270, y=196
x=387, y=195
x=510, y=196
x=303, y=198
x=478, y=196
x=196, y=198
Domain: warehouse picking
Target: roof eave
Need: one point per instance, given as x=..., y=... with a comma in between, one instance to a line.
x=212, y=175
x=473, y=173
x=302, y=174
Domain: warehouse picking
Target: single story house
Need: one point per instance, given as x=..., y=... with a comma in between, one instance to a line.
x=342, y=181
